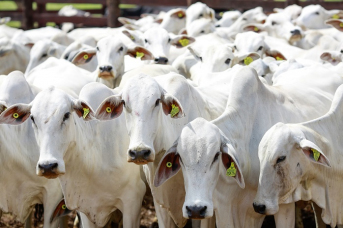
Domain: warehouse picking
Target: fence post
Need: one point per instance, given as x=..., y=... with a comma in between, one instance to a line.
x=113, y=13
x=27, y=21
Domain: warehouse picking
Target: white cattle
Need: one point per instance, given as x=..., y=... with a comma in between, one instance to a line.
x=174, y=20
x=62, y=38
x=69, y=11
x=158, y=41
x=80, y=152
x=34, y=35
x=20, y=187
x=293, y=11
x=7, y=31
x=252, y=108
x=228, y=18
x=153, y=109
x=200, y=27
x=314, y=17
x=41, y=51
x=197, y=11
x=303, y=162
x=13, y=56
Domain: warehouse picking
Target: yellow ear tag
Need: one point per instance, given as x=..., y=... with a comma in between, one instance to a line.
x=180, y=15
x=64, y=207
x=335, y=16
x=139, y=55
x=85, y=57
x=231, y=171
x=341, y=24
x=108, y=109
x=278, y=58
x=15, y=115
x=221, y=14
x=316, y=154
x=175, y=110
x=85, y=112
x=248, y=60
x=184, y=42
x=256, y=29
x=169, y=164
x=132, y=38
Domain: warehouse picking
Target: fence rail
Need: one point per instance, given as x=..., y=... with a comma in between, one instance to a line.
x=28, y=16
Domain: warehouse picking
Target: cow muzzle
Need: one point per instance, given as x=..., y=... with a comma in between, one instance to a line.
x=196, y=212
x=140, y=157
x=106, y=72
x=259, y=208
x=296, y=35
x=161, y=60
x=48, y=170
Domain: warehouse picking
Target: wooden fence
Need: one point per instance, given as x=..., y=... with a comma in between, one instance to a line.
x=40, y=15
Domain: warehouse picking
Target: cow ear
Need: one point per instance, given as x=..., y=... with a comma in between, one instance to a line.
x=196, y=55
x=84, y=57
x=181, y=13
x=335, y=14
x=16, y=114
x=3, y=107
x=230, y=162
x=140, y=53
x=126, y=21
x=183, y=32
x=110, y=108
x=130, y=35
x=326, y=56
x=172, y=106
x=82, y=109
x=60, y=211
x=182, y=41
x=254, y=28
x=336, y=23
x=275, y=54
x=314, y=153
x=168, y=167
x=248, y=58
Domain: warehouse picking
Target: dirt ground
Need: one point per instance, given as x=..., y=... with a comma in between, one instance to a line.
x=149, y=219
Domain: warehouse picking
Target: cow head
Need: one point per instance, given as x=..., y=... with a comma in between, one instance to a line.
x=53, y=114
x=144, y=101
x=285, y=157
x=203, y=153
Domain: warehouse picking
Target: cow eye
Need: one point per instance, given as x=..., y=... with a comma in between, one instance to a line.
x=157, y=102
x=260, y=48
x=201, y=15
x=216, y=157
x=342, y=51
x=66, y=116
x=44, y=55
x=120, y=49
x=280, y=159
x=235, y=47
x=200, y=59
x=33, y=119
x=169, y=40
x=66, y=57
x=274, y=23
x=316, y=13
x=145, y=40
x=97, y=48
x=202, y=31
x=244, y=19
x=227, y=61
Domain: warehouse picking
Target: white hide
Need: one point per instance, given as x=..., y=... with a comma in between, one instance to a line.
x=228, y=18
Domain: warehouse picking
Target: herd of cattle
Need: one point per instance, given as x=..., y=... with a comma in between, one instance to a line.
x=226, y=121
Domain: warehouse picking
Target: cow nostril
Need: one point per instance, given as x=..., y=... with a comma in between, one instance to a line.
x=259, y=208
x=101, y=68
x=146, y=153
x=48, y=167
x=189, y=211
x=203, y=211
x=156, y=59
x=132, y=154
x=166, y=60
x=109, y=68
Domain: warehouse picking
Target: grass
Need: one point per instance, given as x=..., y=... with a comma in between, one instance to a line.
x=11, y=5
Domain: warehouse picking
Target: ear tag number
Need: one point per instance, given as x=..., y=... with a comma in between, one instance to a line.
x=175, y=110
x=169, y=164
x=139, y=55
x=108, y=109
x=15, y=115
x=231, y=171
x=85, y=57
x=184, y=42
x=85, y=112
x=316, y=154
x=248, y=60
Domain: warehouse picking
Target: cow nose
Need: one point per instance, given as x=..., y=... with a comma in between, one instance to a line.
x=49, y=168
x=196, y=212
x=259, y=208
x=161, y=60
x=295, y=32
x=142, y=155
x=105, y=68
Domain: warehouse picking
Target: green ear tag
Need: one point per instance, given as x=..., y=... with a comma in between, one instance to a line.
x=184, y=42
x=180, y=15
x=169, y=164
x=139, y=55
x=335, y=16
x=316, y=154
x=221, y=14
x=256, y=29
x=64, y=207
x=85, y=112
x=341, y=24
x=108, y=109
x=231, y=171
x=248, y=60
x=278, y=58
x=85, y=57
x=175, y=110
x=15, y=115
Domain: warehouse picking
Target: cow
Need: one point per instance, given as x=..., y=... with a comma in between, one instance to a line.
x=228, y=18
x=219, y=158
x=302, y=162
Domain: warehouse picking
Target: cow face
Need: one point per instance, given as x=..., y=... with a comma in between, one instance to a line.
x=53, y=114
x=174, y=20
x=144, y=101
x=285, y=157
x=203, y=153
x=198, y=11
